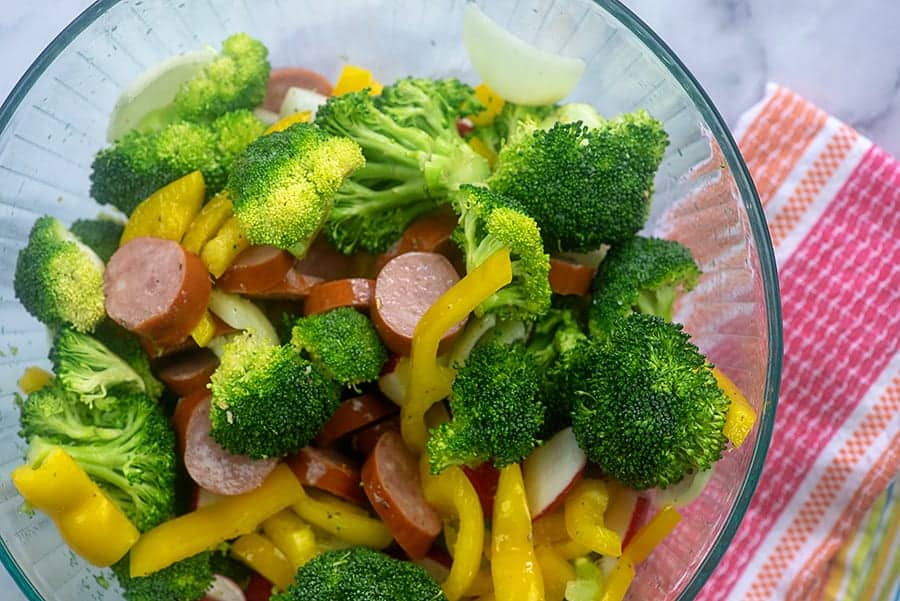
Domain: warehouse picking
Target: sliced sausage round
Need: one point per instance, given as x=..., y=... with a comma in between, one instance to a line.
x=364, y=440
x=353, y=414
x=256, y=269
x=214, y=468
x=567, y=277
x=189, y=372
x=157, y=289
x=325, y=261
x=183, y=412
x=280, y=80
x=431, y=233
x=404, y=289
x=294, y=286
x=391, y=480
x=327, y=470
x=350, y=292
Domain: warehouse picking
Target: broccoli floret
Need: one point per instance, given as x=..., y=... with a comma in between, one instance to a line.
x=89, y=369
x=494, y=413
x=101, y=235
x=125, y=444
x=584, y=186
x=127, y=346
x=185, y=580
x=511, y=117
x=343, y=343
x=140, y=163
x=267, y=400
x=283, y=186
x=572, y=112
x=642, y=275
x=646, y=407
x=414, y=154
x=58, y=279
x=361, y=573
x=488, y=223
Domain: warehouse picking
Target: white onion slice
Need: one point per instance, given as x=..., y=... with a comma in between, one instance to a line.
x=684, y=492
x=153, y=89
x=297, y=100
x=516, y=70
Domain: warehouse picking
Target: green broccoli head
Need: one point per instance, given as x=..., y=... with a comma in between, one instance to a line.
x=489, y=222
x=268, y=401
x=646, y=407
x=140, y=163
x=185, y=580
x=642, y=275
x=58, y=279
x=343, y=343
x=125, y=445
x=283, y=186
x=101, y=235
x=584, y=187
x=361, y=573
x=89, y=369
x=495, y=415
x=236, y=79
x=127, y=346
x=415, y=158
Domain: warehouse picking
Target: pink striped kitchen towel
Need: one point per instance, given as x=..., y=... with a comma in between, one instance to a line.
x=832, y=201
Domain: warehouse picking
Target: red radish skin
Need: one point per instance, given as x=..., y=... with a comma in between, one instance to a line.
x=258, y=589
x=551, y=471
x=224, y=589
x=638, y=517
x=484, y=480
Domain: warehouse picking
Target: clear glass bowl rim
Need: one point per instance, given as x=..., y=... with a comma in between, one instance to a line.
x=748, y=194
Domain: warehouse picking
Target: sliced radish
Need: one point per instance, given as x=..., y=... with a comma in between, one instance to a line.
x=224, y=589
x=684, y=492
x=393, y=383
x=638, y=517
x=258, y=589
x=154, y=89
x=203, y=497
x=514, y=69
x=297, y=100
x=551, y=471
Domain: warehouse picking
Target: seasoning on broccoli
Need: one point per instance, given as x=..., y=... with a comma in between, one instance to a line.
x=584, y=186
x=58, y=279
x=642, y=275
x=284, y=184
x=343, y=343
x=267, y=400
x=415, y=158
x=646, y=406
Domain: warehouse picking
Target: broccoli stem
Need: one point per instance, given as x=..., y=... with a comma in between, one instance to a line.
x=398, y=197
x=387, y=171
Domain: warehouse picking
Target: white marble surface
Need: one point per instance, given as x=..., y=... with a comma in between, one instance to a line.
x=844, y=56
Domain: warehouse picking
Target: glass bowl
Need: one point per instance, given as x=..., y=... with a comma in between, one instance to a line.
x=56, y=118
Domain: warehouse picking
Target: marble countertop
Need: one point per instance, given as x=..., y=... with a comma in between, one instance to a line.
x=843, y=56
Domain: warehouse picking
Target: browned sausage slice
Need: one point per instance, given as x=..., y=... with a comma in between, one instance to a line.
x=157, y=289
x=404, y=289
x=256, y=269
x=155, y=351
x=570, y=278
x=391, y=481
x=294, y=286
x=350, y=292
x=364, y=440
x=183, y=412
x=327, y=470
x=354, y=414
x=325, y=261
x=430, y=233
x=189, y=372
x=284, y=78
x=214, y=468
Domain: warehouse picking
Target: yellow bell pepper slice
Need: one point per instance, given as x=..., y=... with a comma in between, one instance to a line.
x=651, y=534
x=88, y=520
x=585, y=507
x=428, y=378
x=285, y=122
x=482, y=584
x=338, y=519
x=169, y=211
x=741, y=416
x=292, y=536
x=619, y=580
x=570, y=549
x=451, y=493
x=354, y=79
x=258, y=553
x=550, y=529
x=208, y=221
x=514, y=566
x=556, y=572
x=33, y=379
x=212, y=525
x=224, y=247
x=481, y=148
x=493, y=103
x=205, y=329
